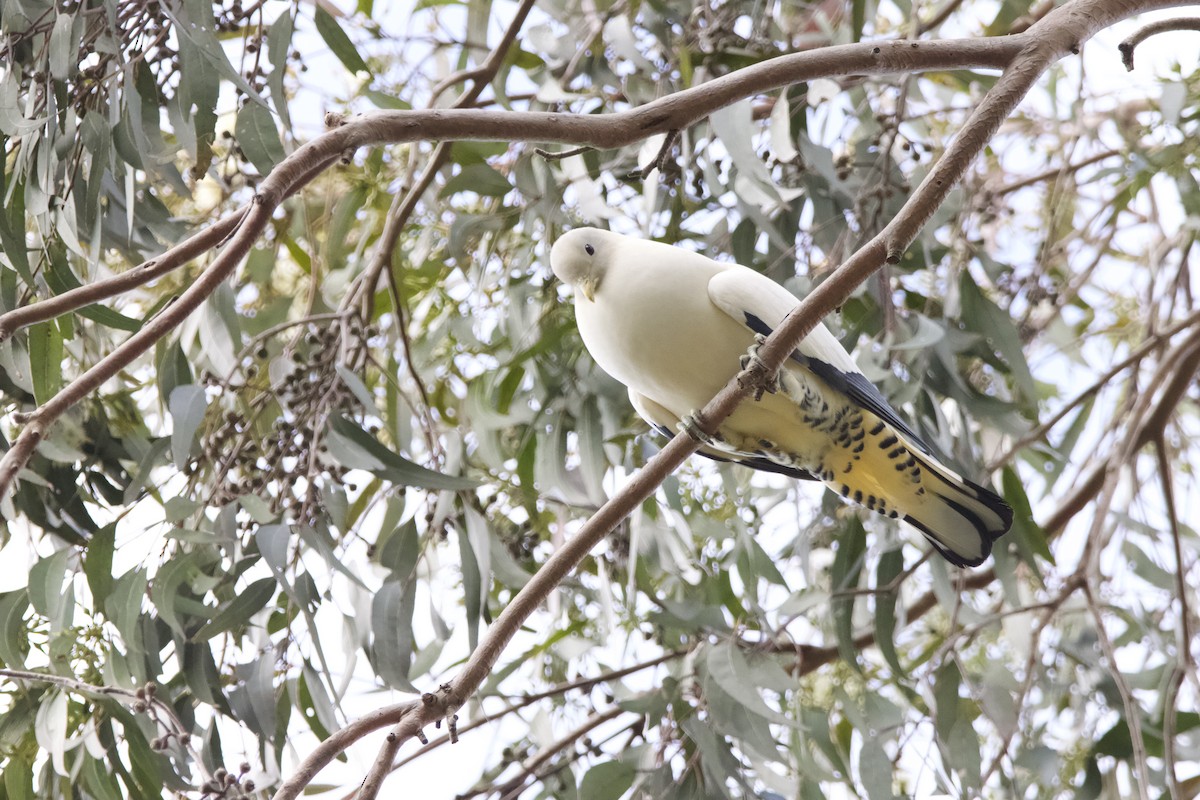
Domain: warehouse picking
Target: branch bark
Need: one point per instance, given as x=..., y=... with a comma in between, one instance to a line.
x=1163, y=26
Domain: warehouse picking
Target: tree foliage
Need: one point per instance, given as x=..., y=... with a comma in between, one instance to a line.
x=244, y=525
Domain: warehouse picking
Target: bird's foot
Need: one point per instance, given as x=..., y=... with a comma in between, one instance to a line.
x=754, y=372
x=691, y=425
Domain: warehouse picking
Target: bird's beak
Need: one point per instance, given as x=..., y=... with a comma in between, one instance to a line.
x=588, y=287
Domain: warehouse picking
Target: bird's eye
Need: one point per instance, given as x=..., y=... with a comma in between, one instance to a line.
x=591, y=251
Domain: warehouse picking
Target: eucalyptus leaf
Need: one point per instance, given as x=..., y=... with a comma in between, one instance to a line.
x=353, y=447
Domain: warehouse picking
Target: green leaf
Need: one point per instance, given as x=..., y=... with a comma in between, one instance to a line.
x=101, y=783
x=236, y=612
x=45, y=360
x=607, y=781
x=272, y=541
x=12, y=217
x=731, y=717
x=386, y=101
x=847, y=567
x=279, y=44
x=480, y=179
x=258, y=137
x=314, y=705
x=124, y=604
x=63, y=47
x=875, y=769
x=46, y=580
x=391, y=622
x=97, y=563
x=963, y=751
x=716, y=761
x=983, y=316
x=945, y=698
x=60, y=279
x=478, y=538
x=1029, y=536
x=172, y=592
x=188, y=405
x=18, y=777
x=891, y=564
x=472, y=587
x=339, y=42
x=354, y=448
x=728, y=667
x=14, y=636
x=173, y=368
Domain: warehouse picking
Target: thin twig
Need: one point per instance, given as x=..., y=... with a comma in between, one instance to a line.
x=154, y=705
x=1140, y=352
x=940, y=16
x=530, y=765
x=1057, y=172
x=1055, y=36
x=1133, y=711
x=1025, y=58
x=530, y=699
x=482, y=75
x=1031, y=662
x=1184, y=641
x=1162, y=26
x=559, y=156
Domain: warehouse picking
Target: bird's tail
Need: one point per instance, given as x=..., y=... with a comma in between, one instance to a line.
x=883, y=469
x=961, y=518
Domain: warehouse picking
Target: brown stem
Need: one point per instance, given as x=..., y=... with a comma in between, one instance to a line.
x=1184, y=645
x=530, y=699
x=940, y=16
x=1057, y=172
x=1162, y=26
x=529, y=766
x=1140, y=352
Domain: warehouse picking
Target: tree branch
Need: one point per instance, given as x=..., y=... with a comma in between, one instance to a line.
x=673, y=112
x=1140, y=352
x=1057, y=172
x=174, y=258
x=529, y=766
x=530, y=699
x=1163, y=26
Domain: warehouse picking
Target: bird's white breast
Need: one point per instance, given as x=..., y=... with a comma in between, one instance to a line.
x=653, y=327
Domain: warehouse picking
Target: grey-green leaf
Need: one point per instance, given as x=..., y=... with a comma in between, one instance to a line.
x=187, y=405
x=258, y=137
x=353, y=447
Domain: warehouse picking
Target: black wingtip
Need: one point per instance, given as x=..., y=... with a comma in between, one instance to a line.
x=987, y=534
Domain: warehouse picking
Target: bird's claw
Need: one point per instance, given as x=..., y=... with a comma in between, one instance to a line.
x=690, y=424
x=755, y=373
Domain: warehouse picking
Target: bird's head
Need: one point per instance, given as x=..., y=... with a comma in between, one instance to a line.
x=580, y=258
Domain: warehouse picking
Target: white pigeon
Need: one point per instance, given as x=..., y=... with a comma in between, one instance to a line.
x=674, y=327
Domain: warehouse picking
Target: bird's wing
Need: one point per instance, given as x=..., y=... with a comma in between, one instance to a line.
x=666, y=423
x=761, y=305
